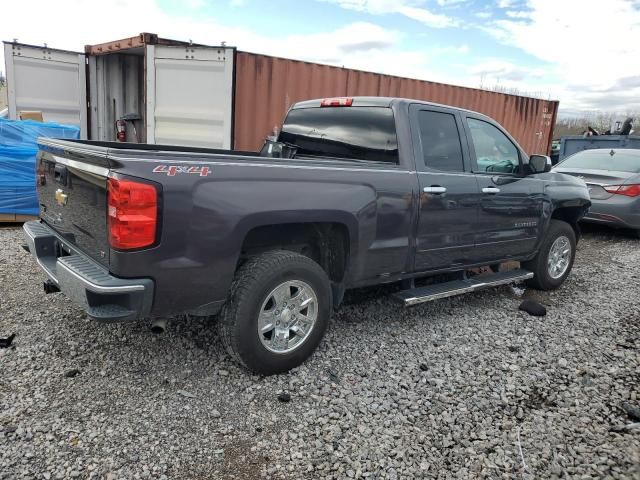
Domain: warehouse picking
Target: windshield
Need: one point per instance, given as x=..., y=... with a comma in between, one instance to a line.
x=613, y=160
x=363, y=133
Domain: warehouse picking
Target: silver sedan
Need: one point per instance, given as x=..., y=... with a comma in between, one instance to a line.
x=613, y=178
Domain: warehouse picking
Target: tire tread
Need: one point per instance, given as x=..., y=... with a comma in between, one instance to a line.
x=538, y=264
x=243, y=285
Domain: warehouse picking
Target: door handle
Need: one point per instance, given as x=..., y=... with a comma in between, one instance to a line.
x=491, y=190
x=437, y=189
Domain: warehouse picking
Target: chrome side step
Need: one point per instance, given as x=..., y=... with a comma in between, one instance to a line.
x=429, y=293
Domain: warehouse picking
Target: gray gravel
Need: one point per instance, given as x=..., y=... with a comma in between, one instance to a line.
x=468, y=387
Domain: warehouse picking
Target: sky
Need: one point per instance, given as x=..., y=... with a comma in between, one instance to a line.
x=581, y=52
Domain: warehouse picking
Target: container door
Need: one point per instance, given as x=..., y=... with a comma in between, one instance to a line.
x=189, y=95
x=49, y=81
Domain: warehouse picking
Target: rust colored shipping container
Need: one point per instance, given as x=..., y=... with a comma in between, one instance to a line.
x=266, y=87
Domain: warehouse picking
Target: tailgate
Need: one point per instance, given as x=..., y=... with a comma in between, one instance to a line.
x=72, y=190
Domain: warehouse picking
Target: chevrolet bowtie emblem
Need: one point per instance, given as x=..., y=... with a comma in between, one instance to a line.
x=61, y=197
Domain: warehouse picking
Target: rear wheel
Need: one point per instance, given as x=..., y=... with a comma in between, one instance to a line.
x=552, y=265
x=277, y=311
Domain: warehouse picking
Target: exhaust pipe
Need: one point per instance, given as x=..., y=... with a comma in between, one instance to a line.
x=159, y=325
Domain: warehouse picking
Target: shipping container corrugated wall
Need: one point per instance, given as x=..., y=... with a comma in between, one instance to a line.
x=267, y=86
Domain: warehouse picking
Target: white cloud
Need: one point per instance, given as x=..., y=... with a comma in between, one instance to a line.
x=195, y=4
x=518, y=14
x=585, y=43
x=430, y=19
x=497, y=71
x=483, y=15
x=409, y=8
x=446, y=3
x=505, y=3
x=459, y=49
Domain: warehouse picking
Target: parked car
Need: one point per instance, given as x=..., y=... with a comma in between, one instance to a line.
x=377, y=190
x=572, y=144
x=613, y=179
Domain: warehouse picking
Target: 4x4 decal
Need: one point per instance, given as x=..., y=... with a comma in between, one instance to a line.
x=172, y=170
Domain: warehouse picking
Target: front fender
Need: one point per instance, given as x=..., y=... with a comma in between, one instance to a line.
x=567, y=198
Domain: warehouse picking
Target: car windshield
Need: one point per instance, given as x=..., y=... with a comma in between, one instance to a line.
x=613, y=160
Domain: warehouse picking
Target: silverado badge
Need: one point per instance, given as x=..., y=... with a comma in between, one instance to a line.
x=61, y=197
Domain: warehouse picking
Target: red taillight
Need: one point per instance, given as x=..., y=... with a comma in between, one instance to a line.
x=132, y=214
x=628, y=190
x=337, y=102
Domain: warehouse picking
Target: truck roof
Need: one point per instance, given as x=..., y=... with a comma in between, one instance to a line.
x=376, y=102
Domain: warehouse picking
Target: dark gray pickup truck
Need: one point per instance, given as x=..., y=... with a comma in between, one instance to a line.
x=373, y=190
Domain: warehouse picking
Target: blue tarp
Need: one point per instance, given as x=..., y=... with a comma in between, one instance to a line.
x=18, y=150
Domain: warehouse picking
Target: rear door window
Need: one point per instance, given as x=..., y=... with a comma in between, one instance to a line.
x=440, y=139
x=362, y=133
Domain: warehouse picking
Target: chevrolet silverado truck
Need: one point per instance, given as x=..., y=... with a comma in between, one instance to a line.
x=353, y=192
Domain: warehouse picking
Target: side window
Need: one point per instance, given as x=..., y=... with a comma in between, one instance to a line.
x=494, y=151
x=440, y=141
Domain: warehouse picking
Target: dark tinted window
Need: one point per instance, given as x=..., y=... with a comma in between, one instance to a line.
x=440, y=141
x=364, y=133
x=620, y=161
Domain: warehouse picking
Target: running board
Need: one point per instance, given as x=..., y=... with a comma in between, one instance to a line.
x=429, y=293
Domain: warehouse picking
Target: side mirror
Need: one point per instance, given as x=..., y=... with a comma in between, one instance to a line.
x=539, y=164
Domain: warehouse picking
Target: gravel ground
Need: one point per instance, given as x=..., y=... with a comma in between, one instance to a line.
x=467, y=387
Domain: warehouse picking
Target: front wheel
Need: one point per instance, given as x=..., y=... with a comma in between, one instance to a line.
x=552, y=264
x=277, y=311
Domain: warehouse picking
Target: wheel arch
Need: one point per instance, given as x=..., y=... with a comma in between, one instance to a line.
x=570, y=215
x=331, y=244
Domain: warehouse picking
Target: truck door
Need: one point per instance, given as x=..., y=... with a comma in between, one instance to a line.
x=49, y=81
x=511, y=205
x=448, y=190
x=189, y=95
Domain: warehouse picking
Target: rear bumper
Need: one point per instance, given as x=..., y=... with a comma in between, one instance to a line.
x=621, y=212
x=104, y=297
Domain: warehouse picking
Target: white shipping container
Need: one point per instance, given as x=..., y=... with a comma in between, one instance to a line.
x=47, y=80
x=170, y=94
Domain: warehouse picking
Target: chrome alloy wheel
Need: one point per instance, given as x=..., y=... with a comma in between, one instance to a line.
x=287, y=316
x=559, y=257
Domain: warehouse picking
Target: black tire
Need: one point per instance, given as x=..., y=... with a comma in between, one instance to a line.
x=252, y=283
x=542, y=279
